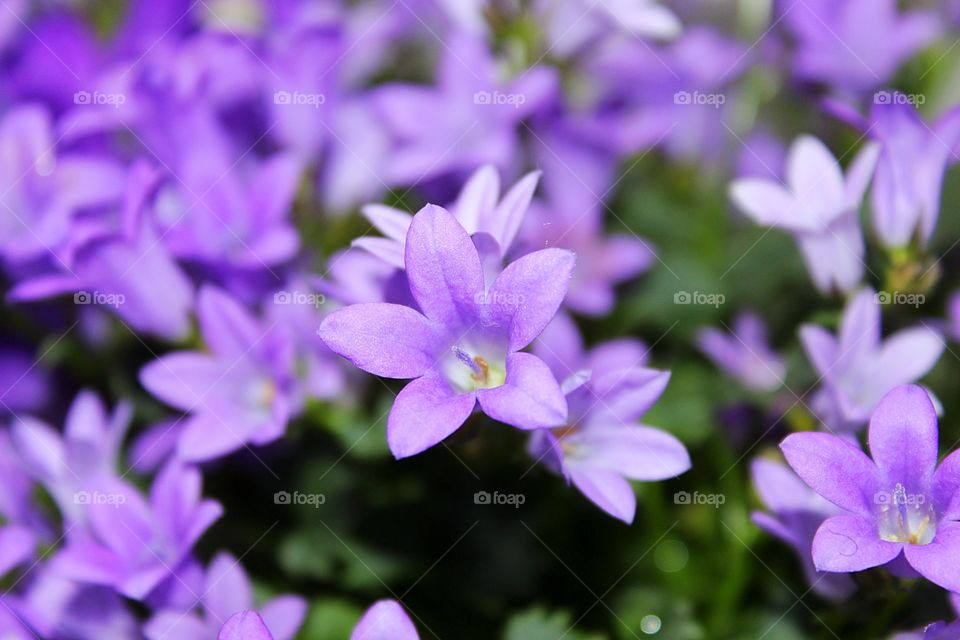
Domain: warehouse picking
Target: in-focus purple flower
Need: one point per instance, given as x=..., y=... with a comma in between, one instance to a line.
x=479, y=209
x=71, y=465
x=900, y=502
x=819, y=206
x=795, y=514
x=857, y=367
x=132, y=544
x=474, y=114
x=600, y=447
x=225, y=591
x=242, y=392
x=385, y=620
x=121, y=264
x=855, y=44
x=744, y=353
x=465, y=346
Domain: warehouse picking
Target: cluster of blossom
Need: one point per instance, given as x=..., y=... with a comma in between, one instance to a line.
x=165, y=176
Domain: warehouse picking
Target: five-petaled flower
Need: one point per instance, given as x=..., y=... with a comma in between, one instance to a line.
x=465, y=346
x=901, y=502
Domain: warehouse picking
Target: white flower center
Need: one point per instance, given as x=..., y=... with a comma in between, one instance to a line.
x=905, y=517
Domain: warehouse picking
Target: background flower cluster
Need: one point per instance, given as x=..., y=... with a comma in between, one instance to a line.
x=669, y=286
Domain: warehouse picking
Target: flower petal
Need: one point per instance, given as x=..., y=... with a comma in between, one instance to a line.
x=443, y=268
x=848, y=543
x=834, y=468
x=903, y=438
x=387, y=340
x=284, y=616
x=636, y=452
x=245, y=625
x=529, y=398
x=937, y=561
x=608, y=490
x=424, y=413
x=526, y=296
x=227, y=327
x=182, y=379
x=385, y=620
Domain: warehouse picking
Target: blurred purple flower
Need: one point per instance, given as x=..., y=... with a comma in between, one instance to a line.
x=134, y=544
x=744, y=353
x=25, y=384
x=385, y=620
x=858, y=368
x=600, y=447
x=121, y=264
x=473, y=114
x=42, y=188
x=819, y=206
x=71, y=465
x=225, y=591
x=901, y=502
x=242, y=392
x=854, y=45
x=464, y=348
x=796, y=512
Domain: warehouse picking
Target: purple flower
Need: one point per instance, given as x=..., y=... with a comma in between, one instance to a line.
x=475, y=115
x=225, y=591
x=600, y=446
x=122, y=265
x=72, y=465
x=854, y=44
x=479, y=209
x=385, y=620
x=134, y=544
x=25, y=385
x=906, y=191
x=42, y=189
x=900, y=502
x=744, y=353
x=858, y=368
x=819, y=206
x=465, y=346
x=245, y=625
x=796, y=513
x=242, y=392
x=573, y=25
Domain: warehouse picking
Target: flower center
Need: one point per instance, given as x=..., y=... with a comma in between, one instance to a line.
x=905, y=517
x=471, y=372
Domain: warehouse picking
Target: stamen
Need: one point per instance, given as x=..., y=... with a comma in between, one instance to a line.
x=473, y=363
x=484, y=374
